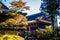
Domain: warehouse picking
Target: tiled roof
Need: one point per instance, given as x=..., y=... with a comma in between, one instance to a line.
x=33, y=17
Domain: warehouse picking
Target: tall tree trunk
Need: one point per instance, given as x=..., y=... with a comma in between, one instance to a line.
x=52, y=19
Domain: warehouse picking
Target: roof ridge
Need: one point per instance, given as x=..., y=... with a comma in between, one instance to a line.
x=4, y=5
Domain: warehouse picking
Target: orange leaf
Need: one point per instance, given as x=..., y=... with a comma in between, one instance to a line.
x=27, y=7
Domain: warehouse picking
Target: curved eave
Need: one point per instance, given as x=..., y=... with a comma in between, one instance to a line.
x=44, y=22
x=35, y=23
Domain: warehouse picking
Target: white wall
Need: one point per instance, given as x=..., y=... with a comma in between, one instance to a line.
x=58, y=21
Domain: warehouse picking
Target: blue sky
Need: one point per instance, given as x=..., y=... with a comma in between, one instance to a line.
x=34, y=5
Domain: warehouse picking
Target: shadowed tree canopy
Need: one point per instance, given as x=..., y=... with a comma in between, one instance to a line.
x=50, y=7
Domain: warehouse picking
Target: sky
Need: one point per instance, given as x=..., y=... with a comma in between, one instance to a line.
x=33, y=4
